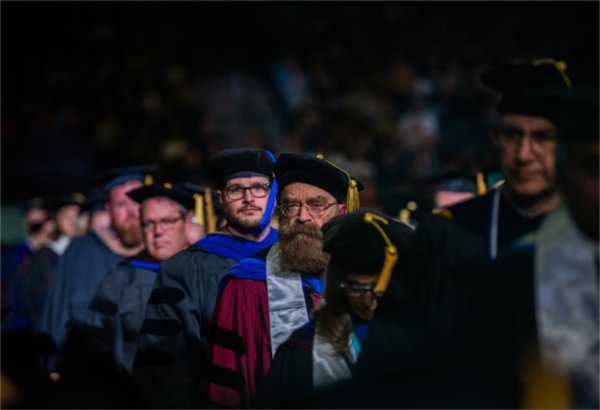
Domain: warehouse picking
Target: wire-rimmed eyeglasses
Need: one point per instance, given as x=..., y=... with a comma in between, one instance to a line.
x=314, y=208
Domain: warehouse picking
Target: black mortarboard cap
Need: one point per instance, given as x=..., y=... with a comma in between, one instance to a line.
x=240, y=163
x=205, y=200
x=118, y=176
x=357, y=245
x=515, y=82
x=167, y=190
x=317, y=171
x=192, y=189
x=190, y=196
x=579, y=117
x=95, y=198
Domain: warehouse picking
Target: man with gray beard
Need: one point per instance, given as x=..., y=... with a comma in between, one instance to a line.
x=90, y=258
x=264, y=298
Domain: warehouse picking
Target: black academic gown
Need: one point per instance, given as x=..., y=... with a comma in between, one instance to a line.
x=170, y=361
x=475, y=215
x=447, y=338
x=78, y=274
x=35, y=283
x=290, y=377
x=170, y=349
x=117, y=311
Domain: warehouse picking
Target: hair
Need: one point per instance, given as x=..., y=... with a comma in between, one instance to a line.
x=333, y=319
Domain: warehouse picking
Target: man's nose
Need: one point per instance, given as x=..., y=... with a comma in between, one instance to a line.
x=370, y=300
x=248, y=197
x=525, y=151
x=158, y=229
x=304, y=215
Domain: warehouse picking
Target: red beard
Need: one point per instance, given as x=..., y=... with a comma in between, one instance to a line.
x=130, y=234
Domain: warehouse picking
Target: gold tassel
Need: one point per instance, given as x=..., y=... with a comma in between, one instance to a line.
x=560, y=66
x=446, y=213
x=352, y=199
x=79, y=197
x=391, y=257
x=199, y=202
x=391, y=253
x=404, y=216
x=148, y=180
x=481, y=186
x=211, y=225
x=352, y=196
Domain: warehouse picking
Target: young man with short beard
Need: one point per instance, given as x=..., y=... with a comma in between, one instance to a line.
x=89, y=258
x=171, y=347
x=264, y=298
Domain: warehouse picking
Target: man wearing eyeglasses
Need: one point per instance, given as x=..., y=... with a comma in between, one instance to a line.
x=365, y=248
x=117, y=310
x=526, y=137
x=479, y=229
x=266, y=297
x=449, y=264
x=171, y=348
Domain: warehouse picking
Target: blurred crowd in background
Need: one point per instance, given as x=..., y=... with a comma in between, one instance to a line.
x=388, y=90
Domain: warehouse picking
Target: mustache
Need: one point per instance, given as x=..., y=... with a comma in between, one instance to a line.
x=242, y=209
x=310, y=230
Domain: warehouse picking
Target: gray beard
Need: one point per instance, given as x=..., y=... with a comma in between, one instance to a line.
x=302, y=249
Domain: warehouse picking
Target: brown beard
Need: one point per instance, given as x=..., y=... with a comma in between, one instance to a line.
x=130, y=235
x=302, y=248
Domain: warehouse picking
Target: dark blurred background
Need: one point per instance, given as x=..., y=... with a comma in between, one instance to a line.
x=386, y=89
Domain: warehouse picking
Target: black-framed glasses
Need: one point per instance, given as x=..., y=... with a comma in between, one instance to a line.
x=238, y=192
x=511, y=137
x=358, y=290
x=164, y=223
x=314, y=208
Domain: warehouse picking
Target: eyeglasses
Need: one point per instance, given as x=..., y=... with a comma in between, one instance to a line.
x=314, y=208
x=512, y=137
x=358, y=290
x=165, y=224
x=238, y=192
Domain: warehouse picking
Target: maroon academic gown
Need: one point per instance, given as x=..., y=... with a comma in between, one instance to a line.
x=240, y=347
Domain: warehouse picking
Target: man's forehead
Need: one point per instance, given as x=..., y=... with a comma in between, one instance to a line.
x=360, y=279
x=528, y=121
x=247, y=181
x=300, y=190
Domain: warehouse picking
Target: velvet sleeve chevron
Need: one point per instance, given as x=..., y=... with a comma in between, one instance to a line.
x=117, y=309
x=171, y=348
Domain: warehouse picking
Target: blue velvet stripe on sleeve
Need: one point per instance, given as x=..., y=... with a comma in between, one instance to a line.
x=145, y=265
